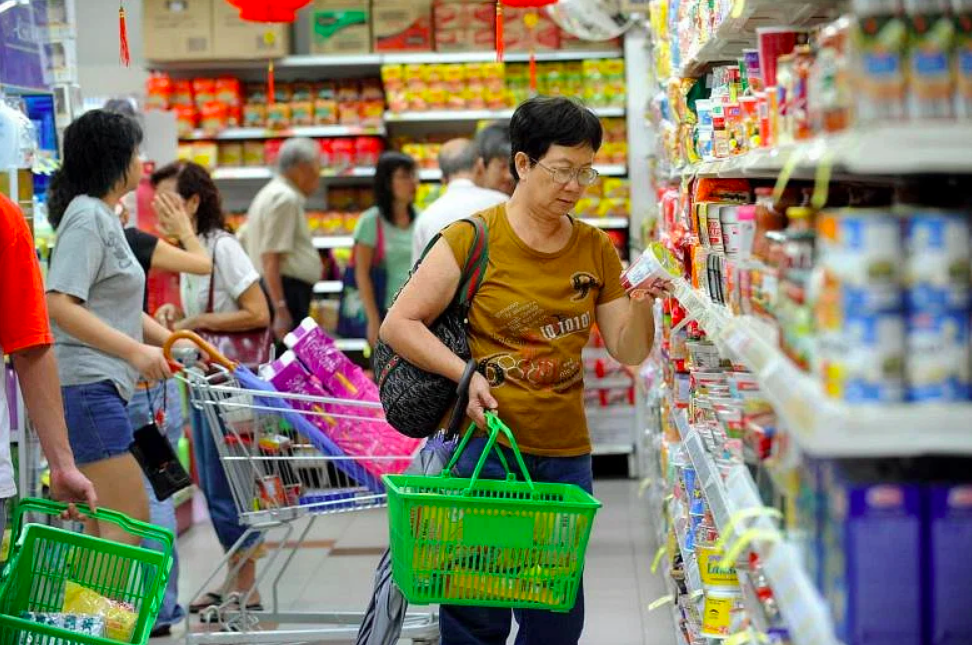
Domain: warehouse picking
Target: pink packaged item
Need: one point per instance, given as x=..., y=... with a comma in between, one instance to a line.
x=317, y=351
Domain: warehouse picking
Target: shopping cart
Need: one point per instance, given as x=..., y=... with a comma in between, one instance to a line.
x=44, y=559
x=283, y=472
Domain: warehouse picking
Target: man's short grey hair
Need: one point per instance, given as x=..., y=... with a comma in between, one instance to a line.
x=295, y=152
x=460, y=159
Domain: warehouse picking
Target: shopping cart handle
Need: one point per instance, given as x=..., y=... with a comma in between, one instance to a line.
x=212, y=352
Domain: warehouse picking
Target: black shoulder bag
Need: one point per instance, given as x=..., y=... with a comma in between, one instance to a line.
x=416, y=401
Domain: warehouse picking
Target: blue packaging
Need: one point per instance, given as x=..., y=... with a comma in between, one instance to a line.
x=873, y=365
x=874, y=566
x=937, y=255
x=948, y=567
x=938, y=357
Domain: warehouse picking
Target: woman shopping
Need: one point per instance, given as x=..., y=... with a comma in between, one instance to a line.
x=550, y=279
x=383, y=237
x=229, y=299
x=95, y=290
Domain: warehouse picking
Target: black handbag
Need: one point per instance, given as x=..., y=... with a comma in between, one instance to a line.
x=416, y=401
x=158, y=460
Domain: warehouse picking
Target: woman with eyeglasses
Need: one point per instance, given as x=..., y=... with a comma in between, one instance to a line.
x=550, y=279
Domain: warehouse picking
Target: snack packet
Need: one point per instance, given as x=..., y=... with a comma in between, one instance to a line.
x=119, y=617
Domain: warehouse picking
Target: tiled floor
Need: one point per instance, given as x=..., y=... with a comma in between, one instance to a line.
x=335, y=572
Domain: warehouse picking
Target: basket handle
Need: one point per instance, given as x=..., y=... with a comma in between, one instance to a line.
x=495, y=426
x=212, y=352
x=143, y=530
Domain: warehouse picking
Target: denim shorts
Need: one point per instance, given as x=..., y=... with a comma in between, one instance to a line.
x=97, y=421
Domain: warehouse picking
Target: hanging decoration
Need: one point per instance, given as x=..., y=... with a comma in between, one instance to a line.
x=269, y=11
x=531, y=19
x=124, y=51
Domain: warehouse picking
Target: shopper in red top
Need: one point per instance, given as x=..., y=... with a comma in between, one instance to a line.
x=25, y=335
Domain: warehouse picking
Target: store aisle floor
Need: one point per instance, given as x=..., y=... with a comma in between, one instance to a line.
x=334, y=571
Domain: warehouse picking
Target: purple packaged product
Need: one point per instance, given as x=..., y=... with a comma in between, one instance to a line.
x=874, y=569
x=948, y=563
x=21, y=54
x=317, y=351
x=753, y=72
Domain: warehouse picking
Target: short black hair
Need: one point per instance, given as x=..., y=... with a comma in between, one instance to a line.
x=493, y=142
x=545, y=121
x=98, y=151
x=388, y=163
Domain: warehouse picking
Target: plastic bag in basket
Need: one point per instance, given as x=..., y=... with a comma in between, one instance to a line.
x=120, y=617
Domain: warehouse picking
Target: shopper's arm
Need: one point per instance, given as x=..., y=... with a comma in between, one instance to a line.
x=363, y=258
x=406, y=327
x=154, y=332
x=37, y=371
x=283, y=322
x=193, y=259
x=253, y=314
x=71, y=316
x=628, y=327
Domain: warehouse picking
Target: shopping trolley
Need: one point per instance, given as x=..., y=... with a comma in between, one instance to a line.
x=279, y=478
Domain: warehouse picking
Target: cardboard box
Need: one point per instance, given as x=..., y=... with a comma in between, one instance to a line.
x=402, y=25
x=471, y=40
x=177, y=30
x=338, y=26
x=464, y=14
x=516, y=36
x=234, y=38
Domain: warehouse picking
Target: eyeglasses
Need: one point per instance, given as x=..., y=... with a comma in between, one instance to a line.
x=584, y=176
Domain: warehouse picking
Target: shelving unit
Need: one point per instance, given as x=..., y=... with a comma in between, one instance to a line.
x=314, y=132
x=608, y=170
x=263, y=173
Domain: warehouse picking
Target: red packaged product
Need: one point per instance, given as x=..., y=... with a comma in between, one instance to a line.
x=158, y=92
x=185, y=119
x=367, y=150
x=204, y=90
x=327, y=153
x=182, y=92
x=271, y=151
x=342, y=153
x=212, y=117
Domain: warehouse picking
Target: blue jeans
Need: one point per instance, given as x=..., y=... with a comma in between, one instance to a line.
x=141, y=412
x=98, y=425
x=212, y=480
x=461, y=625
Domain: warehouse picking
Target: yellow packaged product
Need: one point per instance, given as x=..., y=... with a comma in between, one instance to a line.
x=587, y=206
x=184, y=152
x=614, y=208
x=393, y=76
x=473, y=71
x=435, y=98
x=714, y=574
x=615, y=188
x=613, y=68
x=205, y=153
x=120, y=617
x=415, y=73
x=722, y=614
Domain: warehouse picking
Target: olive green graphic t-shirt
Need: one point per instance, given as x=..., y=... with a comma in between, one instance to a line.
x=529, y=323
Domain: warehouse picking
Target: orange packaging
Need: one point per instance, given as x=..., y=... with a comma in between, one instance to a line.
x=182, y=92
x=371, y=90
x=303, y=92
x=204, y=90
x=158, y=92
x=213, y=117
x=185, y=120
x=325, y=112
x=254, y=115
x=278, y=116
x=283, y=93
x=302, y=113
x=349, y=113
x=229, y=91
x=348, y=90
x=372, y=113
x=710, y=189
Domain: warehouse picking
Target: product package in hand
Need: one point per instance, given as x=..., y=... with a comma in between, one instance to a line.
x=656, y=267
x=80, y=624
x=119, y=617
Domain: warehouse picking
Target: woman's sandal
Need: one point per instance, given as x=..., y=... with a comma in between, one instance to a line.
x=213, y=616
x=208, y=599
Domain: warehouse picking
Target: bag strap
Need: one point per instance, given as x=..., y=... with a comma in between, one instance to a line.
x=474, y=270
x=212, y=277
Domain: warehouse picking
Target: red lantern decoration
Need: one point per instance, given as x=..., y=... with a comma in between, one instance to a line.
x=531, y=20
x=269, y=10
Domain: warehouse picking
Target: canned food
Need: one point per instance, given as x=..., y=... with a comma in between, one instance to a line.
x=937, y=271
x=861, y=250
x=938, y=357
x=864, y=361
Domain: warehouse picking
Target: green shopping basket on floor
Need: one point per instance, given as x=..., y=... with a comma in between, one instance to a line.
x=43, y=559
x=492, y=543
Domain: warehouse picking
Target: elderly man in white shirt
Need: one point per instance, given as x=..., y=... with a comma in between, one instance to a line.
x=476, y=176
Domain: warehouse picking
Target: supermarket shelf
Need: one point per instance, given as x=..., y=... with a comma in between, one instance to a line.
x=261, y=172
x=705, y=469
x=610, y=170
x=373, y=61
x=607, y=222
x=316, y=131
x=333, y=242
x=738, y=33
x=328, y=287
x=915, y=148
x=822, y=426
x=351, y=344
x=693, y=577
x=441, y=116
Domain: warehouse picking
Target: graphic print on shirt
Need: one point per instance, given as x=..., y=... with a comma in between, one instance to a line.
x=116, y=244
x=583, y=282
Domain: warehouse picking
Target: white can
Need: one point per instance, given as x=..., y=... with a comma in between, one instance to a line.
x=937, y=270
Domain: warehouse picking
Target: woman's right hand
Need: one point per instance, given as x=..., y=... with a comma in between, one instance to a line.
x=151, y=363
x=480, y=400
x=173, y=218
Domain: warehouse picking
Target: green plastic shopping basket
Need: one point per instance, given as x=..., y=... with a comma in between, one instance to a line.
x=493, y=543
x=43, y=558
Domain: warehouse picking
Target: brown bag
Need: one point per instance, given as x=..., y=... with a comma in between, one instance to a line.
x=250, y=348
